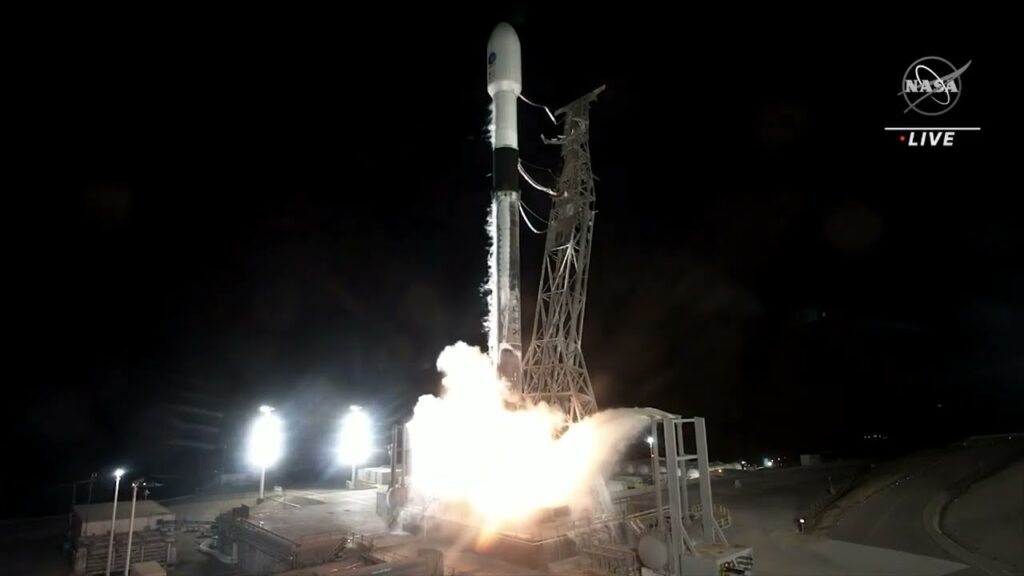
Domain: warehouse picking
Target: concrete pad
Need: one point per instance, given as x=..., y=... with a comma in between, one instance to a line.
x=340, y=512
x=791, y=554
x=848, y=558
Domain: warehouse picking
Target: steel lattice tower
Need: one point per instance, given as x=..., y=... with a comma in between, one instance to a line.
x=554, y=369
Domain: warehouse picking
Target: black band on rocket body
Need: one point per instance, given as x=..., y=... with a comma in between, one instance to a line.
x=506, y=169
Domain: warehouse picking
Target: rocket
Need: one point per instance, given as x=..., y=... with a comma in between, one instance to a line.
x=505, y=84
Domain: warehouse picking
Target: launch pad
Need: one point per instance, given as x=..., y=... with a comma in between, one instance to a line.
x=534, y=544
x=618, y=530
x=653, y=525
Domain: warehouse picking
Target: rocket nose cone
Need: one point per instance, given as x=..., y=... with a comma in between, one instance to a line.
x=504, y=60
x=503, y=43
x=504, y=34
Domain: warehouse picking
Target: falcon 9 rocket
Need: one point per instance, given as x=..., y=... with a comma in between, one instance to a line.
x=504, y=84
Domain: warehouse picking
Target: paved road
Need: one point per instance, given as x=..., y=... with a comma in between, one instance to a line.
x=989, y=518
x=897, y=518
x=775, y=498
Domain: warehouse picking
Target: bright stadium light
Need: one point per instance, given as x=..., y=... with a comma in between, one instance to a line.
x=356, y=440
x=266, y=443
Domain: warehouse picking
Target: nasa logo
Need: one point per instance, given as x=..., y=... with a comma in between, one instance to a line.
x=932, y=86
x=491, y=58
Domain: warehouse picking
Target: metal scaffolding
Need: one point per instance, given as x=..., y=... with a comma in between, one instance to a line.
x=554, y=369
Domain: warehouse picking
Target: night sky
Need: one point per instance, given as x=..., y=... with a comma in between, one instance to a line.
x=292, y=212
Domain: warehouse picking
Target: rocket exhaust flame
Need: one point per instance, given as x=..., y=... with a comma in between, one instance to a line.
x=470, y=447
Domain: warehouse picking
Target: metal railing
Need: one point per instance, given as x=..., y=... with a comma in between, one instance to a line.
x=368, y=549
x=269, y=542
x=723, y=517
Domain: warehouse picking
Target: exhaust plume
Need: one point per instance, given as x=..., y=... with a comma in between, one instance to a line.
x=476, y=445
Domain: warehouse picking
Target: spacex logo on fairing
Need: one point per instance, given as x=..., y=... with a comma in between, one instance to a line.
x=931, y=86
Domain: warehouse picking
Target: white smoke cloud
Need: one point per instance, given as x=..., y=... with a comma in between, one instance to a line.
x=490, y=128
x=471, y=446
x=490, y=286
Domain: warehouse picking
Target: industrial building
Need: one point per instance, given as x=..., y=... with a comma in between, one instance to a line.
x=374, y=476
x=153, y=539
x=309, y=540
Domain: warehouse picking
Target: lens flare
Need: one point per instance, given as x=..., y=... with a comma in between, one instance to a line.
x=355, y=442
x=266, y=440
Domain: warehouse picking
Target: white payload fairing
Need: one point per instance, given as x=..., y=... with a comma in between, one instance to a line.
x=505, y=84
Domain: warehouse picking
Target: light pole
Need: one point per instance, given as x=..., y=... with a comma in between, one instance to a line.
x=266, y=443
x=263, y=481
x=113, y=520
x=650, y=443
x=131, y=524
x=356, y=440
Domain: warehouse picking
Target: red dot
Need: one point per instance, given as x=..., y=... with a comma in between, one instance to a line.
x=902, y=138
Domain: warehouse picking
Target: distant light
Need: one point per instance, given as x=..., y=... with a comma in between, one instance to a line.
x=650, y=440
x=355, y=443
x=266, y=439
x=119, y=472
x=768, y=463
x=802, y=520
